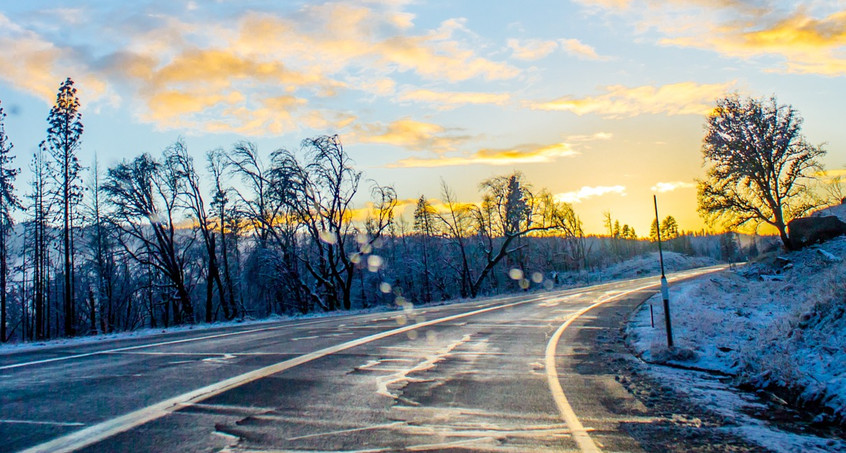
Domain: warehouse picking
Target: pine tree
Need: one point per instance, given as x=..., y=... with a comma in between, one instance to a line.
x=64, y=136
x=8, y=203
x=40, y=240
x=424, y=219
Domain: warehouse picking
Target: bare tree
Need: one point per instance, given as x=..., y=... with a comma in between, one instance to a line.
x=758, y=162
x=144, y=194
x=509, y=211
x=101, y=254
x=40, y=237
x=323, y=190
x=193, y=197
x=266, y=205
x=565, y=224
x=216, y=163
x=457, y=223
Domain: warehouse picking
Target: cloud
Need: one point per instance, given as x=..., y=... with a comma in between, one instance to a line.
x=590, y=138
x=521, y=154
x=535, y=49
x=662, y=187
x=410, y=134
x=531, y=49
x=325, y=48
x=831, y=175
x=343, y=36
x=446, y=100
x=33, y=64
x=685, y=98
x=794, y=37
x=806, y=44
x=579, y=49
x=589, y=192
x=607, y=4
x=185, y=71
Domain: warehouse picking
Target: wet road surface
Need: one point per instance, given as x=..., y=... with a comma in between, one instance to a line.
x=471, y=376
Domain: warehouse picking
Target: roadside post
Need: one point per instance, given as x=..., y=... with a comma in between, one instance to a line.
x=665, y=289
x=651, y=316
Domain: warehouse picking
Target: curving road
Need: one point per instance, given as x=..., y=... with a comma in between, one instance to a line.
x=487, y=375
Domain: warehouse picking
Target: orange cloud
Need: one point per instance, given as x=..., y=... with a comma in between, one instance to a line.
x=35, y=65
x=809, y=39
x=686, y=98
x=218, y=67
x=446, y=100
x=320, y=49
x=522, y=154
x=340, y=36
x=411, y=134
x=806, y=44
x=607, y=4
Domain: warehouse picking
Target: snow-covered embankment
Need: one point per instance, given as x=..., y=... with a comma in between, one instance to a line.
x=778, y=324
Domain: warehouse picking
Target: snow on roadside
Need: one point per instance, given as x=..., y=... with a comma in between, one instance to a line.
x=778, y=323
x=643, y=265
x=146, y=332
x=636, y=267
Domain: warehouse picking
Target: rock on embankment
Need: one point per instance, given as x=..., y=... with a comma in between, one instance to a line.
x=821, y=226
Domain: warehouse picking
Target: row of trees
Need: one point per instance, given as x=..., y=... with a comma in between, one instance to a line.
x=161, y=240
x=146, y=243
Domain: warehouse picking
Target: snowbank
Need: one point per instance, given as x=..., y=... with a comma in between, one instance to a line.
x=640, y=266
x=777, y=324
x=838, y=211
x=648, y=264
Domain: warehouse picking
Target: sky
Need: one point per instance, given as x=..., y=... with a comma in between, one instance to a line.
x=603, y=103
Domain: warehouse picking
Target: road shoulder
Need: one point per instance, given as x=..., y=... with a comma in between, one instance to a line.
x=629, y=410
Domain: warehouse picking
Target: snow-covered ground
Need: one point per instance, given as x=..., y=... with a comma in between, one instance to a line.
x=639, y=266
x=778, y=323
x=149, y=332
x=648, y=264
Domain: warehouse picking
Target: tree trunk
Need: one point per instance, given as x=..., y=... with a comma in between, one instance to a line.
x=209, y=291
x=226, y=272
x=477, y=285
x=3, y=270
x=68, y=297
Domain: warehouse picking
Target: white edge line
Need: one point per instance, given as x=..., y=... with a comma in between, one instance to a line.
x=108, y=428
x=577, y=430
x=205, y=337
x=141, y=346
x=287, y=323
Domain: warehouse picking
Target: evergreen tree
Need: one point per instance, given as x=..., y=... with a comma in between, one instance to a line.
x=8, y=203
x=40, y=240
x=424, y=218
x=64, y=136
x=669, y=228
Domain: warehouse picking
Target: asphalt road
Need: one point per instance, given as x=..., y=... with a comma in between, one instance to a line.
x=487, y=375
